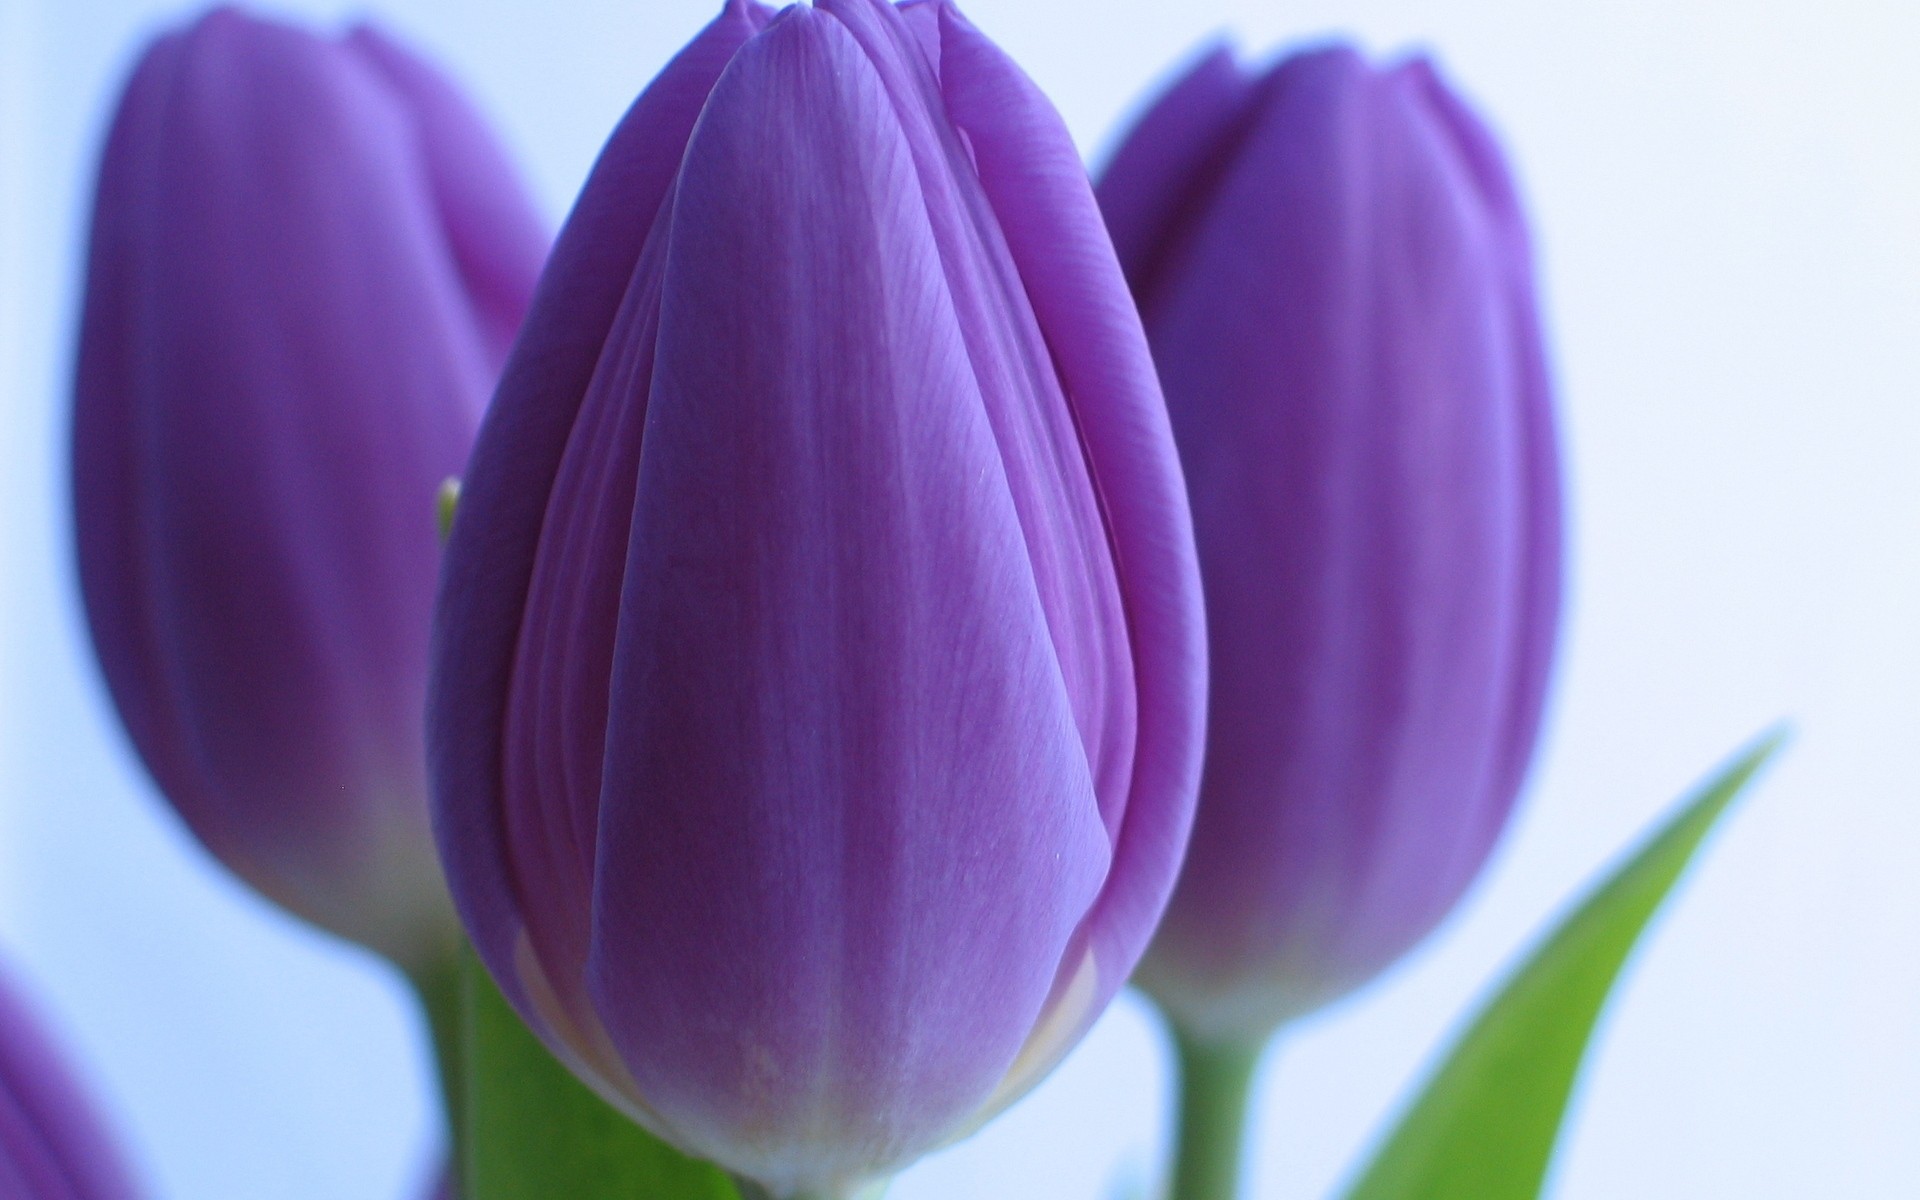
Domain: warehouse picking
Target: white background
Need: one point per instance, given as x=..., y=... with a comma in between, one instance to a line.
x=1728, y=195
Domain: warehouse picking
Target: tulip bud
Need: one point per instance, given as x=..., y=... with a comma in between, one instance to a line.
x=1334, y=273
x=308, y=261
x=53, y=1145
x=818, y=666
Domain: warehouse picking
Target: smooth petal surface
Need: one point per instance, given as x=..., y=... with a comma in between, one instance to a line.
x=1342, y=317
x=52, y=1143
x=281, y=358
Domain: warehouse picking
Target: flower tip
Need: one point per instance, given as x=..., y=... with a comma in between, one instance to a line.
x=1419, y=66
x=228, y=20
x=753, y=14
x=224, y=14
x=1221, y=46
x=364, y=32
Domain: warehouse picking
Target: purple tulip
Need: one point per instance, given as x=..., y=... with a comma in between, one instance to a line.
x=1334, y=273
x=309, y=258
x=818, y=668
x=53, y=1145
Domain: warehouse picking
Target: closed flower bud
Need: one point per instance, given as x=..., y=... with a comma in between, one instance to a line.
x=53, y=1145
x=308, y=261
x=1335, y=277
x=818, y=667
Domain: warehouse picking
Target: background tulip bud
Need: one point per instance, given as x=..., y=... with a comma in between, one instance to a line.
x=308, y=261
x=818, y=669
x=53, y=1145
x=1334, y=273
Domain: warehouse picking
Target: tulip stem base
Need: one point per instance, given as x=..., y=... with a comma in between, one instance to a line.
x=1215, y=1083
x=440, y=990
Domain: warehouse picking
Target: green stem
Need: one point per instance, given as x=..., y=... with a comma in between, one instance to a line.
x=1215, y=1083
x=441, y=1001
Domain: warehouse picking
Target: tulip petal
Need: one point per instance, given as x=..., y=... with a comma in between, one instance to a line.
x=1034, y=426
x=557, y=712
x=828, y=611
x=1541, y=505
x=491, y=229
x=490, y=555
x=112, y=550
x=1172, y=159
x=1032, y=175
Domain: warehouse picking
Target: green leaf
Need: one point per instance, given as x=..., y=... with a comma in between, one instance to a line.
x=534, y=1132
x=1485, y=1126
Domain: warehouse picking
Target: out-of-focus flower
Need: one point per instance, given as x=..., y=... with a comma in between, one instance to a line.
x=53, y=1145
x=818, y=668
x=309, y=258
x=1335, y=277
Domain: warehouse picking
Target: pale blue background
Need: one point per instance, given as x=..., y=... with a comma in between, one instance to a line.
x=1729, y=199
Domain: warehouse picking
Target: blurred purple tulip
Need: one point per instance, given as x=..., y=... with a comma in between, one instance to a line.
x=53, y=1145
x=1334, y=273
x=309, y=258
x=818, y=671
